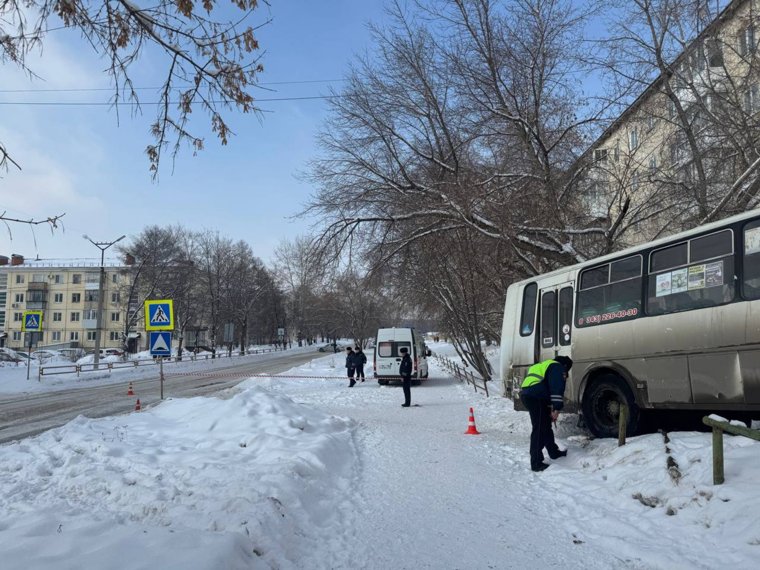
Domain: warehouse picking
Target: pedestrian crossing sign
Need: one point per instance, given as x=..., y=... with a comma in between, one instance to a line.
x=160, y=343
x=32, y=321
x=159, y=315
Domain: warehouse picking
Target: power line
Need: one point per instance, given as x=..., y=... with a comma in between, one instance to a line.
x=133, y=103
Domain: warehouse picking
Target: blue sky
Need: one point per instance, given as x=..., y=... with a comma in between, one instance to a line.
x=86, y=163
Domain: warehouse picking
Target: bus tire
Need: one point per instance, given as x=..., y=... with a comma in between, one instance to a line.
x=382, y=382
x=601, y=406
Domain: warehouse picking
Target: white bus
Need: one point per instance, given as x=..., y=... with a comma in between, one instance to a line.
x=672, y=324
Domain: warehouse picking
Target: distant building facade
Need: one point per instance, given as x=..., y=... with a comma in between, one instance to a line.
x=673, y=154
x=67, y=291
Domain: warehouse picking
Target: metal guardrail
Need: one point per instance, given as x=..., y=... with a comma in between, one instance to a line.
x=718, y=427
x=464, y=375
x=110, y=366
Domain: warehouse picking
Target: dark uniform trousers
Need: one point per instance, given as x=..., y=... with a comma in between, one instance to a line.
x=407, y=385
x=541, y=436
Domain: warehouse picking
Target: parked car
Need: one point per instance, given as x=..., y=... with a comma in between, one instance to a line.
x=114, y=352
x=44, y=356
x=329, y=347
x=72, y=354
x=9, y=357
x=22, y=354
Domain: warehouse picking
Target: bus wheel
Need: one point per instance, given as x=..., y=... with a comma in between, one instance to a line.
x=382, y=382
x=601, y=406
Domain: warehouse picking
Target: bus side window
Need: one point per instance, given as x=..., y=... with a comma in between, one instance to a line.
x=565, y=315
x=548, y=319
x=751, y=261
x=527, y=317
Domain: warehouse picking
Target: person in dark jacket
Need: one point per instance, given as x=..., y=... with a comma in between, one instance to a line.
x=405, y=371
x=542, y=394
x=360, y=359
x=350, y=366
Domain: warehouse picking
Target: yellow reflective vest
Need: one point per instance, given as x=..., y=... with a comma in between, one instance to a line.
x=536, y=373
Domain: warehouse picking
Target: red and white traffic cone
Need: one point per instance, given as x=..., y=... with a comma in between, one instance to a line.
x=129, y=390
x=137, y=405
x=471, y=429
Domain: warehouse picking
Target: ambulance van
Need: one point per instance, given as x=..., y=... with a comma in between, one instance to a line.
x=388, y=343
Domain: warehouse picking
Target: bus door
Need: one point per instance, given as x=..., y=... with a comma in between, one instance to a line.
x=555, y=322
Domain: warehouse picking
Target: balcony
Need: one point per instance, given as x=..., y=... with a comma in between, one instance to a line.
x=37, y=286
x=90, y=324
x=36, y=305
x=91, y=285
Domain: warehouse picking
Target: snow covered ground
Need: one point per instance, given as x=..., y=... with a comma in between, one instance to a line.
x=307, y=473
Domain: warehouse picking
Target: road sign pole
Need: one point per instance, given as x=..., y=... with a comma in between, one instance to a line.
x=161, y=368
x=29, y=356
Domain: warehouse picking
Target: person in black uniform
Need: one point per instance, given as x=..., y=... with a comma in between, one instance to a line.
x=542, y=394
x=405, y=371
x=360, y=359
x=350, y=366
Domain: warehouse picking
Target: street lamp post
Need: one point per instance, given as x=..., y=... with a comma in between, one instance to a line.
x=102, y=246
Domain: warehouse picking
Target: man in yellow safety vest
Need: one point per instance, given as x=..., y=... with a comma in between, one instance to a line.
x=542, y=392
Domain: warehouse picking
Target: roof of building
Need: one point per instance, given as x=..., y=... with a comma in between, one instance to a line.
x=61, y=263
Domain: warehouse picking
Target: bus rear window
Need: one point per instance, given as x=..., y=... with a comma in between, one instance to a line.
x=751, y=261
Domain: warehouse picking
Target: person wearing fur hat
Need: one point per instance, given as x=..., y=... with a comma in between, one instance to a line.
x=542, y=394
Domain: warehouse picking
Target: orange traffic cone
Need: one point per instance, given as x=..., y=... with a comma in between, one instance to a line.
x=129, y=390
x=471, y=429
x=137, y=405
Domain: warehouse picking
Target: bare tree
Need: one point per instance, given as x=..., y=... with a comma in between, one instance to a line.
x=210, y=61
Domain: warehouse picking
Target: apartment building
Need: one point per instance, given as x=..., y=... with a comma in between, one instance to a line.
x=678, y=151
x=67, y=291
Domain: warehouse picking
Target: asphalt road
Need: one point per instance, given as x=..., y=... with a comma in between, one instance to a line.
x=24, y=415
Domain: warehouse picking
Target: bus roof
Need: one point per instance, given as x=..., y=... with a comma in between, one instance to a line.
x=646, y=245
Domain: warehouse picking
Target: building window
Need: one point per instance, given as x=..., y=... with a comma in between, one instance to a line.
x=76, y=297
x=747, y=40
x=90, y=314
x=714, y=53
x=19, y=297
x=600, y=155
x=91, y=296
x=38, y=278
x=18, y=317
x=633, y=140
x=57, y=278
x=19, y=278
x=91, y=335
x=58, y=298
x=76, y=278
x=74, y=316
x=57, y=317
x=115, y=297
x=652, y=166
x=115, y=278
x=16, y=335
x=56, y=335
x=752, y=99
x=651, y=122
x=73, y=335
x=113, y=335
x=115, y=317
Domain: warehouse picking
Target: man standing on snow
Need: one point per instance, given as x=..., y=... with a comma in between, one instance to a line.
x=542, y=394
x=360, y=359
x=405, y=371
x=350, y=366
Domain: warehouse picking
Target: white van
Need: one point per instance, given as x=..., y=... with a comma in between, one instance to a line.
x=388, y=358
